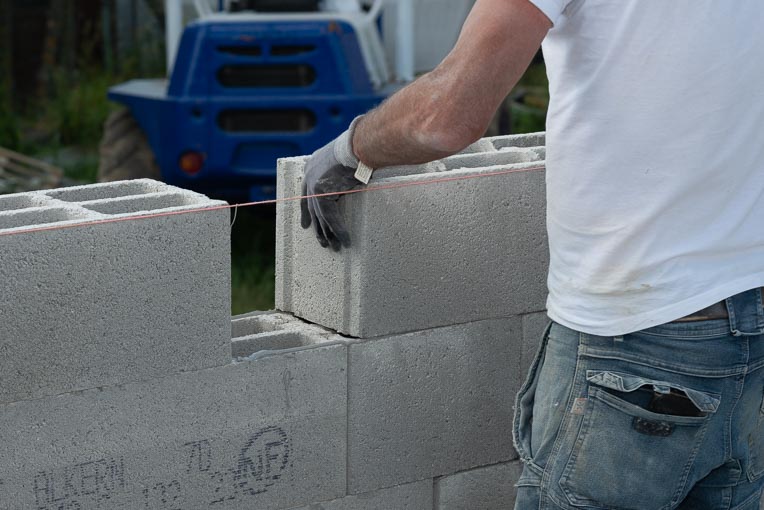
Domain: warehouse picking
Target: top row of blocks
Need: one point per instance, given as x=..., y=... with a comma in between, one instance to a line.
x=444, y=252
x=80, y=204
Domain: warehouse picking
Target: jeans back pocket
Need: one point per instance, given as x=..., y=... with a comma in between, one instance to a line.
x=626, y=454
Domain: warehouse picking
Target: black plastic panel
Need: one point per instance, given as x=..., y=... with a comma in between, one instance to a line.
x=264, y=121
x=266, y=76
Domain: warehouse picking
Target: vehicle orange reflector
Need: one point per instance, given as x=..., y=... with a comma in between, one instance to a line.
x=191, y=162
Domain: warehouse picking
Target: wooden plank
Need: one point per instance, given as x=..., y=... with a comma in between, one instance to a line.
x=19, y=169
x=30, y=161
x=23, y=173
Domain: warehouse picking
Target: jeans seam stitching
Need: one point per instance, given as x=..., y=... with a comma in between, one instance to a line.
x=674, y=369
x=688, y=466
x=564, y=425
x=537, y=362
x=728, y=425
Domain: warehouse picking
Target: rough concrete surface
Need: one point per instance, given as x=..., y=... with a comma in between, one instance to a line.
x=263, y=333
x=106, y=304
x=422, y=256
x=485, y=488
x=534, y=325
x=431, y=403
x=412, y=496
x=263, y=434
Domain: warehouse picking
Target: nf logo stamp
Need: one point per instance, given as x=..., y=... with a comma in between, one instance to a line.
x=261, y=463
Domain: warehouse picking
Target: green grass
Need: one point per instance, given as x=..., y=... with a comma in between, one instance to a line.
x=253, y=260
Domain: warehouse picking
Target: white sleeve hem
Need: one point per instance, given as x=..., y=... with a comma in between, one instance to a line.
x=551, y=8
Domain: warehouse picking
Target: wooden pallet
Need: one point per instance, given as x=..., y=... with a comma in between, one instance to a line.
x=22, y=173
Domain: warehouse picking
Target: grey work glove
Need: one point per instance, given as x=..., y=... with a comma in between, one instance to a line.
x=330, y=169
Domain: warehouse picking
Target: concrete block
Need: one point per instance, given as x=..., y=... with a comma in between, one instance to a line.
x=524, y=140
x=264, y=333
x=108, y=303
x=423, y=256
x=265, y=434
x=431, y=403
x=22, y=201
x=534, y=325
x=412, y=496
x=485, y=488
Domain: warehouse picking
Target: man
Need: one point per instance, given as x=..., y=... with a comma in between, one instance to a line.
x=648, y=391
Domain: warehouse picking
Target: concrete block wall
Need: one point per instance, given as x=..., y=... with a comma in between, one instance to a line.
x=431, y=403
x=393, y=390
x=268, y=432
x=110, y=303
x=423, y=256
x=487, y=488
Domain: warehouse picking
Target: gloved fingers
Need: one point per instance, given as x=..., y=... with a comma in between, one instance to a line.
x=330, y=214
x=304, y=206
x=326, y=226
x=333, y=241
x=318, y=228
x=321, y=237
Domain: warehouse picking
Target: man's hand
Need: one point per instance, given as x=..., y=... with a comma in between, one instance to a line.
x=325, y=174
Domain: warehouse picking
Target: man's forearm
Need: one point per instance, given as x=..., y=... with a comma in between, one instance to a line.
x=403, y=129
x=445, y=110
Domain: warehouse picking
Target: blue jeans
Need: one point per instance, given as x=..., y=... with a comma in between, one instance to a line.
x=668, y=417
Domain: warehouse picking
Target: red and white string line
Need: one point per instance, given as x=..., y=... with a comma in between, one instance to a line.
x=89, y=223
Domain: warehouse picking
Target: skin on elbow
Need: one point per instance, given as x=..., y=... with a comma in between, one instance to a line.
x=448, y=131
x=447, y=140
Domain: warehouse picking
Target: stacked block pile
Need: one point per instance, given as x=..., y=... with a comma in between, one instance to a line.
x=386, y=381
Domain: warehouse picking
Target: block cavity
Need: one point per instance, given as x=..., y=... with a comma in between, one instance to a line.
x=526, y=140
x=268, y=333
x=21, y=201
x=146, y=203
x=109, y=190
x=37, y=217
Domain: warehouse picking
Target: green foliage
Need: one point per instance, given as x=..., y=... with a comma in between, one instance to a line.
x=78, y=107
x=65, y=124
x=531, y=99
x=9, y=135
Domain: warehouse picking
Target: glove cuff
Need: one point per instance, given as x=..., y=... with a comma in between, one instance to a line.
x=343, y=146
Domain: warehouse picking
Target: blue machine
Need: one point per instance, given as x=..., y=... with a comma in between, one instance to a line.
x=245, y=91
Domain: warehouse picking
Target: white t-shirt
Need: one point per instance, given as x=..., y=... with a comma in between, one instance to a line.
x=655, y=158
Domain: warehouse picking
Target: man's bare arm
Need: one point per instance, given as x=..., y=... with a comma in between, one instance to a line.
x=449, y=108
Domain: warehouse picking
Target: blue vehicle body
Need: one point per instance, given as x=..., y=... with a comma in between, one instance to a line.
x=243, y=94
